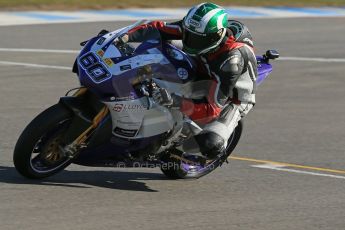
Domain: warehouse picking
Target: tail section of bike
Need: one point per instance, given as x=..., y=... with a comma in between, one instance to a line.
x=264, y=67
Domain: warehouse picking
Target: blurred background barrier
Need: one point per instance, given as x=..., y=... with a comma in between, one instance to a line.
x=102, y=4
x=19, y=17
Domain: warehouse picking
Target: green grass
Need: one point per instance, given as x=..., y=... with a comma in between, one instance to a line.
x=106, y=4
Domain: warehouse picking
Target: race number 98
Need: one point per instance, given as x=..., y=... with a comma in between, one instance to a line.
x=95, y=70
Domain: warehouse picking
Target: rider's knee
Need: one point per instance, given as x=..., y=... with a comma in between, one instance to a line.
x=210, y=143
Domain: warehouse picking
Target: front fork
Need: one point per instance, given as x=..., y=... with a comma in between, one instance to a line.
x=80, y=142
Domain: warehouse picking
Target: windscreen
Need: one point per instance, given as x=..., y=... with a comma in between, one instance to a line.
x=126, y=45
x=107, y=56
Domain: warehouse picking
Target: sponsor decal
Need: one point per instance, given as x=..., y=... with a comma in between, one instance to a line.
x=108, y=62
x=100, y=53
x=175, y=54
x=153, y=41
x=125, y=132
x=118, y=107
x=125, y=67
x=194, y=23
x=128, y=123
x=182, y=73
x=136, y=108
x=126, y=98
x=101, y=41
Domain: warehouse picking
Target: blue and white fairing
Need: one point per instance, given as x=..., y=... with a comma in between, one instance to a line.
x=109, y=71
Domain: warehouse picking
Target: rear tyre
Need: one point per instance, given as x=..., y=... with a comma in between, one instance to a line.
x=176, y=169
x=37, y=153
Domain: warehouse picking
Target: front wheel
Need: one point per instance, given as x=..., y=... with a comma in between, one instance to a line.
x=177, y=169
x=38, y=150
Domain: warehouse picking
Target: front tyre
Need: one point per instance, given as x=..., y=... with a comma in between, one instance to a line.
x=37, y=153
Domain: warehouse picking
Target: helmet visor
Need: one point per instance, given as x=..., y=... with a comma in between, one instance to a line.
x=200, y=41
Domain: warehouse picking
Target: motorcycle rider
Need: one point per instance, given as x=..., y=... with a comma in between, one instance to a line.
x=224, y=52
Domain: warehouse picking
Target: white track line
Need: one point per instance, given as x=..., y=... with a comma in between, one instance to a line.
x=39, y=50
x=311, y=59
x=35, y=65
x=281, y=168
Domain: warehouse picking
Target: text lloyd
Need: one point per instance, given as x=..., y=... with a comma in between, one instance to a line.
x=124, y=107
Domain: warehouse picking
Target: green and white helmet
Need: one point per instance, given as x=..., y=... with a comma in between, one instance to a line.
x=204, y=28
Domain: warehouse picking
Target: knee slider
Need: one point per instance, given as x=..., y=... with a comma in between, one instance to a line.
x=209, y=143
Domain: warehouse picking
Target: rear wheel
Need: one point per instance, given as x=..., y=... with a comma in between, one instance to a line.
x=175, y=168
x=38, y=150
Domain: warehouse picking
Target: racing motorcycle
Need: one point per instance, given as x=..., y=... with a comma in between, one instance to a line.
x=111, y=119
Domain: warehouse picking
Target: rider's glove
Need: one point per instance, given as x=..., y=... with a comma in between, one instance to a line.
x=163, y=97
x=122, y=39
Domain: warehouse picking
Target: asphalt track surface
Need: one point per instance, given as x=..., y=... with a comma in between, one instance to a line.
x=299, y=119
